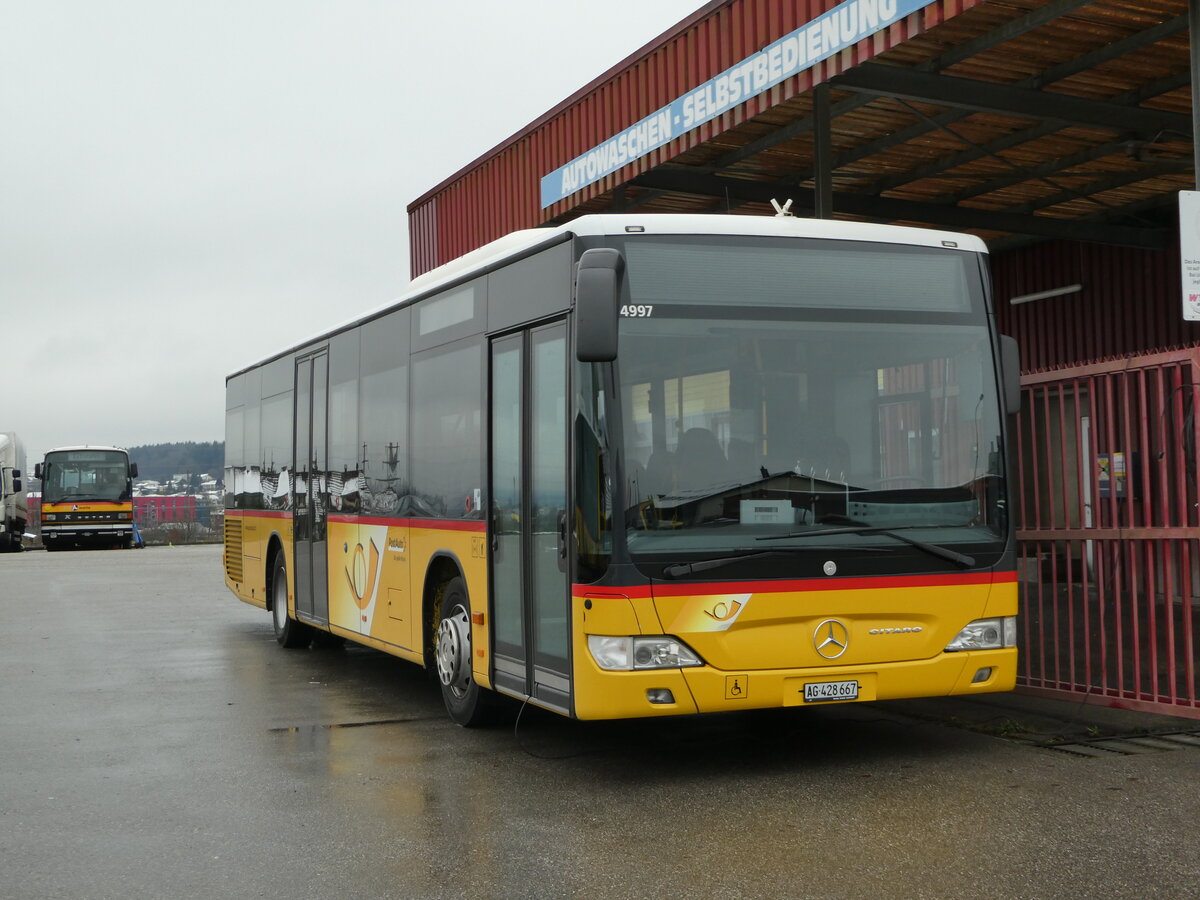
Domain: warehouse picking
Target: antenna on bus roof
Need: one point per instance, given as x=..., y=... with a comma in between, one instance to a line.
x=782, y=211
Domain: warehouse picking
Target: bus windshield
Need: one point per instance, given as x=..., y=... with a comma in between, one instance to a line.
x=830, y=395
x=78, y=475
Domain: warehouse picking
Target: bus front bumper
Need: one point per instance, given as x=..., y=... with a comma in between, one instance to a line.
x=612, y=695
x=89, y=530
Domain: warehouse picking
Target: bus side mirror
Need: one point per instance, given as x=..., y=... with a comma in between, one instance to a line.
x=17, y=480
x=133, y=470
x=1010, y=368
x=597, y=296
x=37, y=471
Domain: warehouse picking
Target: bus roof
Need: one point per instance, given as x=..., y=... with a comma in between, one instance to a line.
x=520, y=243
x=86, y=447
x=607, y=224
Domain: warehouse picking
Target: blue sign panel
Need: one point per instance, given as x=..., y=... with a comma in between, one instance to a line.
x=841, y=27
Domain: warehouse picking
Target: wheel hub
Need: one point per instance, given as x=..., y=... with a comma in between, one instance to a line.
x=454, y=651
x=279, y=606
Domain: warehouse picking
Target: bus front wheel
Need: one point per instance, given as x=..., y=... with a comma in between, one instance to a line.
x=469, y=705
x=288, y=632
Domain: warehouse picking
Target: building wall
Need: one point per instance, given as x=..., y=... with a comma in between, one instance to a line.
x=1130, y=302
x=499, y=192
x=155, y=510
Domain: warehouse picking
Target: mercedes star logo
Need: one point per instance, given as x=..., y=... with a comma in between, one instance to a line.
x=831, y=638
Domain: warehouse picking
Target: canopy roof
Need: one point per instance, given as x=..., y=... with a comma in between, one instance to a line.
x=1012, y=120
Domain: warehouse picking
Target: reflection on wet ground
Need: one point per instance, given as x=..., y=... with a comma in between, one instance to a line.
x=155, y=729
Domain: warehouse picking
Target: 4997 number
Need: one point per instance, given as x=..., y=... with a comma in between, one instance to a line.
x=637, y=311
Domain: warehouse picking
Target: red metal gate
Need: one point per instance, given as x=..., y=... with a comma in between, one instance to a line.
x=1108, y=528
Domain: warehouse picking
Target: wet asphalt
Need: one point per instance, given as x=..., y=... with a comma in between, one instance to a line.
x=155, y=741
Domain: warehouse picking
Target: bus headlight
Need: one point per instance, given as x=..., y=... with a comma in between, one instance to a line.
x=986, y=634
x=629, y=653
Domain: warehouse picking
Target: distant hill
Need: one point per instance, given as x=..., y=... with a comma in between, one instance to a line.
x=160, y=461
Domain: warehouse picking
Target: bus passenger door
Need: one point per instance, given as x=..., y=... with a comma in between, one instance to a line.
x=527, y=525
x=312, y=499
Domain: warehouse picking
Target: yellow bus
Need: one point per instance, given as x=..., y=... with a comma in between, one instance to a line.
x=645, y=465
x=87, y=497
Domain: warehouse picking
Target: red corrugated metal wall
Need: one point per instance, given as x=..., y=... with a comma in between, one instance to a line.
x=499, y=193
x=1130, y=302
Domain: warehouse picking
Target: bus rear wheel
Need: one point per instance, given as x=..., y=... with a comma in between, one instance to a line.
x=469, y=705
x=288, y=632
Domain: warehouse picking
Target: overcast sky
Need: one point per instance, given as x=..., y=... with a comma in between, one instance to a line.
x=186, y=188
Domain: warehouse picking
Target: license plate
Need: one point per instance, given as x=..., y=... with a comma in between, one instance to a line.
x=818, y=691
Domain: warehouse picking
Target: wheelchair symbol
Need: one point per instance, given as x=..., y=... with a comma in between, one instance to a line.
x=737, y=687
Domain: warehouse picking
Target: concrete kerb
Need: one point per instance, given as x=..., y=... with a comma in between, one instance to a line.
x=1039, y=720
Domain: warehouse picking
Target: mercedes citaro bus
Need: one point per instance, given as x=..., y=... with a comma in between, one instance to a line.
x=643, y=465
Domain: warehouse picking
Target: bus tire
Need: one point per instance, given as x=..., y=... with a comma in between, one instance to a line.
x=468, y=704
x=288, y=632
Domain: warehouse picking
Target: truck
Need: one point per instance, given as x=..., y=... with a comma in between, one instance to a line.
x=14, y=509
x=87, y=497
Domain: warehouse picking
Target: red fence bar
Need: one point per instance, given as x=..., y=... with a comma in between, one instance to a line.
x=1189, y=644
x=1154, y=550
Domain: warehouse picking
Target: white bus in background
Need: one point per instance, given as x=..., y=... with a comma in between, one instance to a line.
x=13, y=504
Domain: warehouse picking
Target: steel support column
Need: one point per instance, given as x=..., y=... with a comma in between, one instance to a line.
x=1194, y=43
x=823, y=151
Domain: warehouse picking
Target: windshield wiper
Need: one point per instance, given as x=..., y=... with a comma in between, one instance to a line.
x=678, y=570
x=944, y=552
